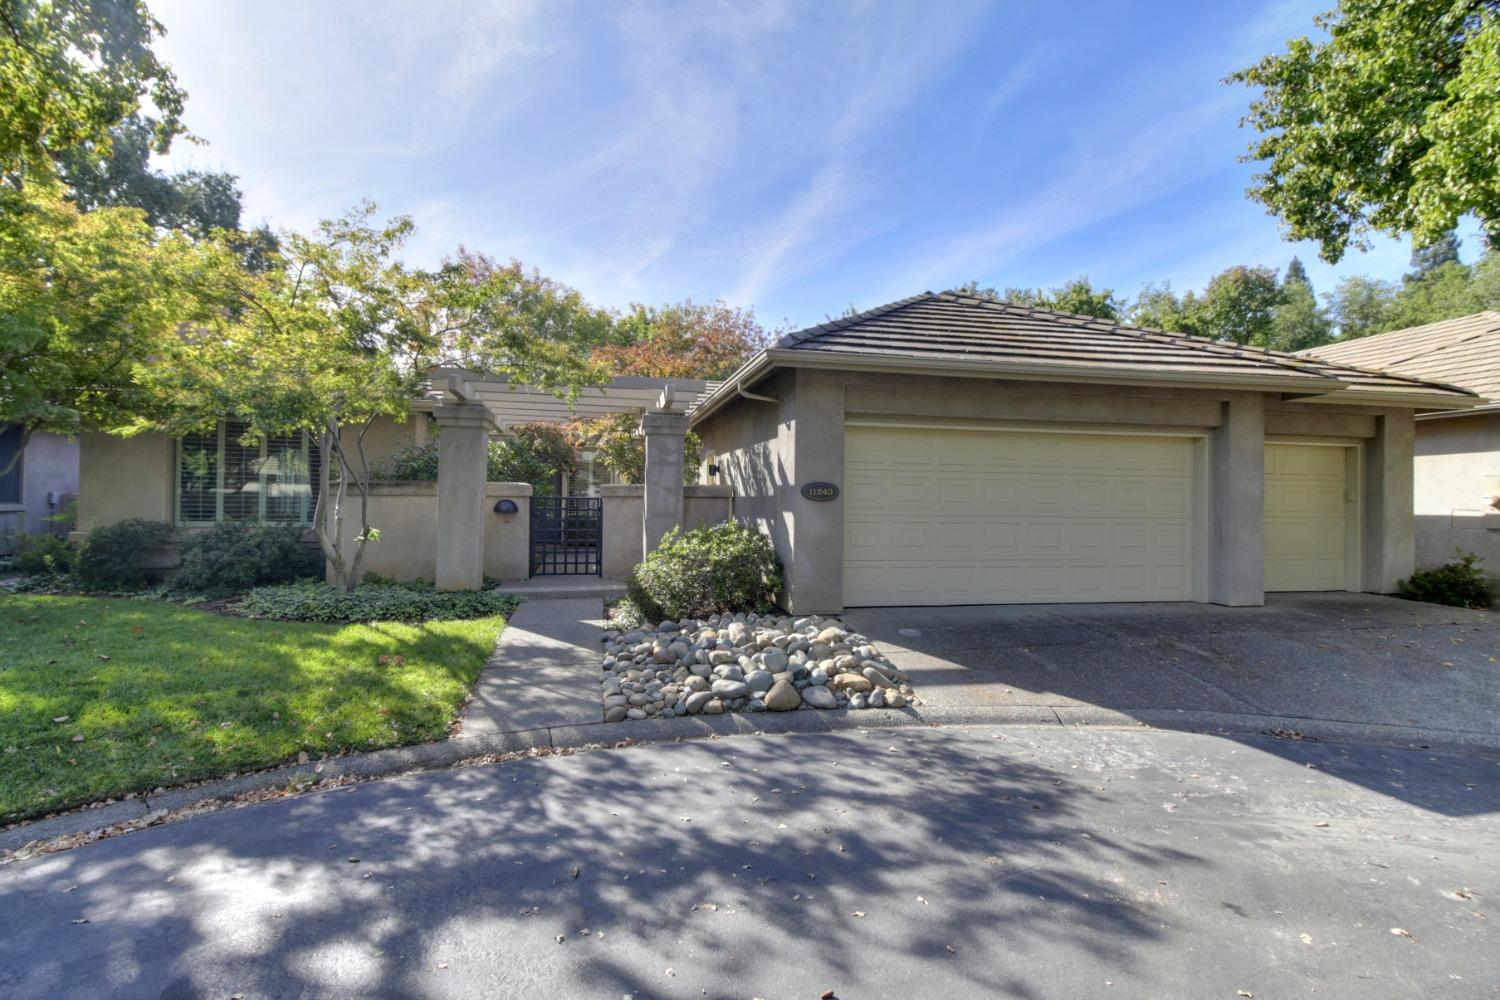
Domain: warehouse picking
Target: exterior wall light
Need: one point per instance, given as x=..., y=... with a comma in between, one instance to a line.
x=506, y=507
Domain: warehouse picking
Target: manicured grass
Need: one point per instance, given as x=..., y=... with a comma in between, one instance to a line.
x=162, y=694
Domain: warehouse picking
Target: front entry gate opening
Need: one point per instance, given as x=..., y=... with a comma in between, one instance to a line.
x=567, y=535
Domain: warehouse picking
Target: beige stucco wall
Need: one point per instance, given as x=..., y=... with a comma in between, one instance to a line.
x=507, y=537
x=624, y=510
x=120, y=478
x=406, y=515
x=767, y=450
x=1457, y=469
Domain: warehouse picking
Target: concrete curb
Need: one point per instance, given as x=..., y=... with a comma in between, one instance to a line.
x=434, y=756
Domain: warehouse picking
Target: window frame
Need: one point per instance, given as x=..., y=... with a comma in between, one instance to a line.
x=18, y=471
x=305, y=512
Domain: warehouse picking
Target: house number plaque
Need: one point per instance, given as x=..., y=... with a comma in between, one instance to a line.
x=820, y=491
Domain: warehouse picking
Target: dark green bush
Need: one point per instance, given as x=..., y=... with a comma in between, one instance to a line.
x=116, y=556
x=415, y=461
x=231, y=558
x=1459, y=584
x=510, y=461
x=709, y=570
x=311, y=601
x=44, y=555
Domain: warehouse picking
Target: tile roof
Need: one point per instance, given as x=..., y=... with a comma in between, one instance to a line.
x=1463, y=351
x=955, y=328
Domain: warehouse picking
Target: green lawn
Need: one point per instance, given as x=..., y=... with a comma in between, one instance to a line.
x=162, y=694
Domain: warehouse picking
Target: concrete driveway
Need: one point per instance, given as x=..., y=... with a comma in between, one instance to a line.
x=970, y=862
x=1351, y=658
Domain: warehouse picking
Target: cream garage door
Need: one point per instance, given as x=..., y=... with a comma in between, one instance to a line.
x=1305, y=512
x=951, y=516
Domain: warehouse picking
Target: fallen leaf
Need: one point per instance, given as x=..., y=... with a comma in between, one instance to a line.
x=60, y=718
x=859, y=913
x=1401, y=932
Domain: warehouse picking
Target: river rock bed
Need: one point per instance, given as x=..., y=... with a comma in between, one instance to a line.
x=745, y=663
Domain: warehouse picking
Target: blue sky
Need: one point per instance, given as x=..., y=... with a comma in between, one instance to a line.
x=794, y=158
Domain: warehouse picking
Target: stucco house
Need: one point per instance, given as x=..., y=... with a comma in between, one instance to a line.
x=202, y=479
x=37, y=482
x=1457, y=452
x=950, y=449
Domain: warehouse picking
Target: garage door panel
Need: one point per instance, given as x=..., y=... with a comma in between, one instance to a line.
x=1017, y=517
x=1305, y=510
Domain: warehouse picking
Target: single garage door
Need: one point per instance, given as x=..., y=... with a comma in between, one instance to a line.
x=1305, y=517
x=950, y=516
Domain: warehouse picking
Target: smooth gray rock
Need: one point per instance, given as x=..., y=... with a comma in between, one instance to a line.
x=760, y=680
x=616, y=713
x=819, y=696
x=728, y=689
x=695, y=701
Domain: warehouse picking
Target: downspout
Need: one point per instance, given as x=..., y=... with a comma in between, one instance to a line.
x=739, y=388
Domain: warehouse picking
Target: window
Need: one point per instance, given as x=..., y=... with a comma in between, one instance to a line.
x=10, y=463
x=219, y=479
x=590, y=476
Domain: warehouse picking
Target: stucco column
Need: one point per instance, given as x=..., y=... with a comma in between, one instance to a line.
x=1388, y=535
x=815, y=571
x=463, y=463
x=1237, y=504
x=666, y=442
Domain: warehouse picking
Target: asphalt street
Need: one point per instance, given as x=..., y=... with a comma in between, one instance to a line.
x=963, y=862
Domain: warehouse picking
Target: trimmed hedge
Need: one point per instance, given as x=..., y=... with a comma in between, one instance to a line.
x=718, y=568
x=1458, y=584
x=113, y=557
x=418, y=601
x=233, y=557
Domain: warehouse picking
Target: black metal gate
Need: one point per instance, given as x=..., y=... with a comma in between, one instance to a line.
x=567, y=535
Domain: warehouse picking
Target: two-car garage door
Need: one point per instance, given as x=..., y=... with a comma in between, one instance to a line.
x=949, y=515
x=956, y=516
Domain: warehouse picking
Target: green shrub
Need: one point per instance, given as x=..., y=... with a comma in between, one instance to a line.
x=311, y=601
x=728, y=567
x=1459, y=584
x=44, y=555
x=510, y=461
x=114, y=557
x=231, y=558
x=415, y=461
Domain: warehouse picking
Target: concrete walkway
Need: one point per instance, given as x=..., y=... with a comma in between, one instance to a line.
x=544, y=671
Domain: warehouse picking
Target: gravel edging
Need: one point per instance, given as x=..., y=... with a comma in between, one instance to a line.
x=602, y=735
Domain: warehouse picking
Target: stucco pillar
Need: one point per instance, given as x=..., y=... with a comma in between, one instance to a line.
x=815, y=571
x=666, y=441
x=463, y=463
x=1388, y=536
x=1237, y=504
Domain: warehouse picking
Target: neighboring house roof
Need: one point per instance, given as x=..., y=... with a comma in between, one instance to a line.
x=1463, y=351
x=955, y=334
x=525, y=404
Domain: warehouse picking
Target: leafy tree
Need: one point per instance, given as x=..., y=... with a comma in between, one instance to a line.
x=70, y=72
x=1295, y=273
x=117, y=172
x=87, y=299
x=1297, y=321
x=344, y=333
x=614, y=439
x=1428, y=258
x=1077, y=296
x=1389, y=124
x=685, y=340
x=1157, y=307
x=1239, y=304
x=1448, y=291
x=1358, y=306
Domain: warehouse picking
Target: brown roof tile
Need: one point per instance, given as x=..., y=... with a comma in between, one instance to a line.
x=1463, y=351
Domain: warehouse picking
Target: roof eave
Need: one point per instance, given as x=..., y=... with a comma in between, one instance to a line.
x=1396, y=397
x=765, y=360
x=1484, y=408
